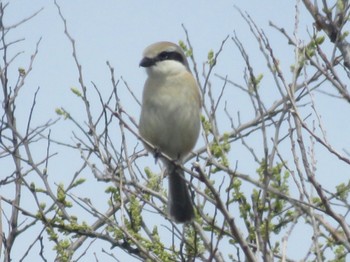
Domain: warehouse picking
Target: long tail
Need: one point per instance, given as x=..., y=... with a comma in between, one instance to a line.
x=179, y=202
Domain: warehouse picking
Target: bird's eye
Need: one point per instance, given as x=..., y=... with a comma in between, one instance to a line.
x=164, y=56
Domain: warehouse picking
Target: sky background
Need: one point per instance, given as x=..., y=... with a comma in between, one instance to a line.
x=118, y=31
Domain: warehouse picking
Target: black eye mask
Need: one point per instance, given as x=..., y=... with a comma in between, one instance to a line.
x=166, y=55
x=170, y=56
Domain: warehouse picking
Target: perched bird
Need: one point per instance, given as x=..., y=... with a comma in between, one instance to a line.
x=170, y=118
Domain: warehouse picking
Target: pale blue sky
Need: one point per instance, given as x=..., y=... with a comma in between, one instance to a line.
x=118, y=31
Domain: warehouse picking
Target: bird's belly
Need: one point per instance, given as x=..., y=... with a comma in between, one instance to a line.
x=172, y=127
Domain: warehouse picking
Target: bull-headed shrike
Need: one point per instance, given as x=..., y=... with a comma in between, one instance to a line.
x=170, y=118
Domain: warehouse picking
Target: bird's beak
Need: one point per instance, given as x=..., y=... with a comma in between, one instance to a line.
x=147, y=62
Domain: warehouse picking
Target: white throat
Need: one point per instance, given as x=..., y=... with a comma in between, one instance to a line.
x=166, y=68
